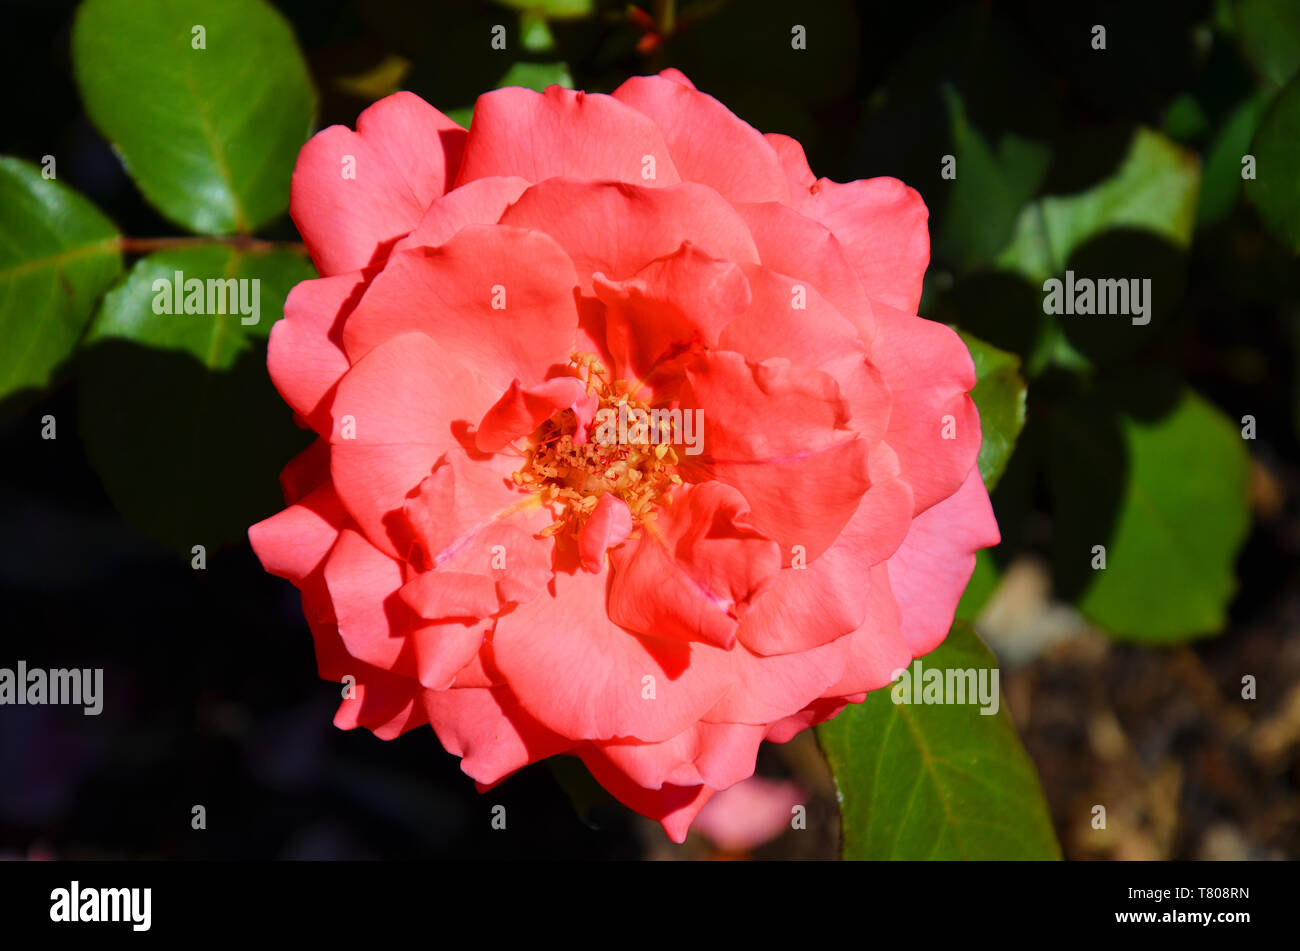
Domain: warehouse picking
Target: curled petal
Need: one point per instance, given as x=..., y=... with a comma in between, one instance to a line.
x=617, y=229
x=673, y=807
x=777, y=433
x=608, y=526
x=695, y=569
x=522, y=409
x=489, y=730
x=672, y=304
x=713, y=754
x=934, y=426
x=354, y=194
x=305, y=353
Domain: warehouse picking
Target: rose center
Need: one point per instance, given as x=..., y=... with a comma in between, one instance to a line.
x=570, y=466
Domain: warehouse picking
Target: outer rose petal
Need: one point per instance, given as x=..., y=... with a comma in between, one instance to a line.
x=443, y=595
x=819, y=711
x=499, y=300
x=618, y=229
x=382, y=701
x=930, y=570
x=372, y=620
x=443, y=649
x=792, y=244
x=583, y=676
x=673, y=807
x=877, y=648
x=294, y=543
x=407, y=400
x=708, y=143
x=387, y=704
x=479, y=202
x=763, y=689
x=305, y=353
x=489, y=730
x=794, y=163
x=694, y=572
x=929, y=372
x=306, y=472
x=882, y=225
x=562, y=133
x=715, y=754
x=406, y=153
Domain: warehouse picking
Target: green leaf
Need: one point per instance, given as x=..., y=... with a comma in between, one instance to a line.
x=1166, y=495
x=1269, y=32
x=176, y=410
x=57, y=255
x=989, y=189
x=999, y=395
x=1223, y=160
x=537, y=76
x=1275, y=191
x=210, y=135
x=1185, y=120
x=1155, y=189
x=936, y=780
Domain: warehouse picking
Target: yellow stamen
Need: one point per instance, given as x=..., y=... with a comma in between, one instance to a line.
x=572, y=478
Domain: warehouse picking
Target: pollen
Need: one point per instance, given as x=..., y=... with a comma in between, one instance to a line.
x=569, y=471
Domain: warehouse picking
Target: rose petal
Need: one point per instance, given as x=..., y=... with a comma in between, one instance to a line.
x=354, y=194
x=587, y=678
x=395, y=413
x=563, y=133
x=934, y=426
x=931, y=568
x=498, y=300
x=881, y=224
x=618, y=229
x=706, y=140
x=695, y=570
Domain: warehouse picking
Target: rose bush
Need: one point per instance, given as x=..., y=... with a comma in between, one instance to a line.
x=474, y=558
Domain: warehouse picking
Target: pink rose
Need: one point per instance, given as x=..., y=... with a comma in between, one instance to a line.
x=481, y=546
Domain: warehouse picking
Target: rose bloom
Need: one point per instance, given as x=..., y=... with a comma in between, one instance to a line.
x=473, y=550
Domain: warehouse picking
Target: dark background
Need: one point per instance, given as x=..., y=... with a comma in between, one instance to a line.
x=211, y=691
